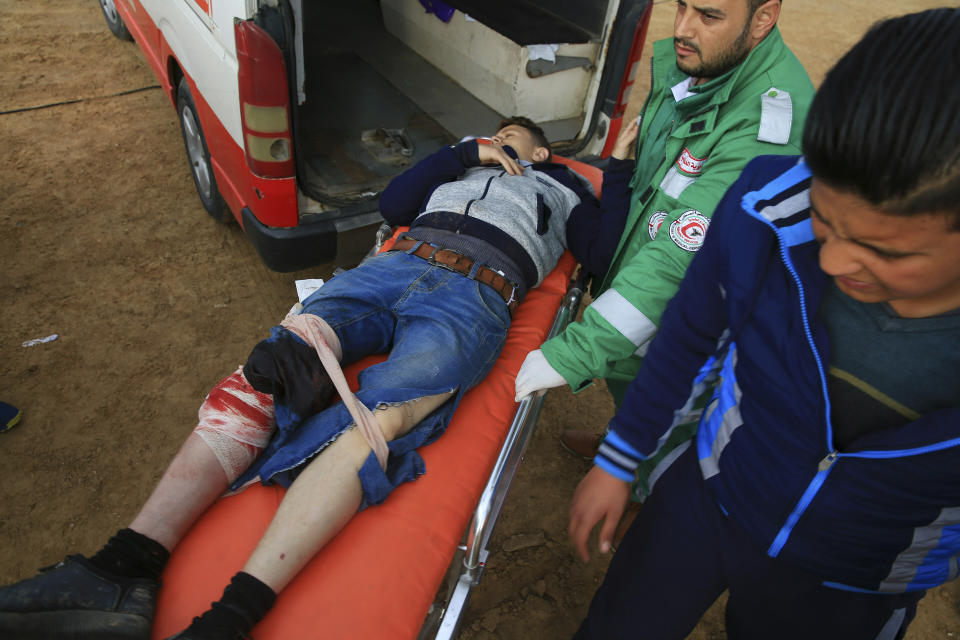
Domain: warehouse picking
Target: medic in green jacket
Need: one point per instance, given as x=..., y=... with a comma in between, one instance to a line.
x=694, y=140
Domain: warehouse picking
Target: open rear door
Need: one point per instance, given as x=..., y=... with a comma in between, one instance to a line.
x=378, y=85
x=567, y=64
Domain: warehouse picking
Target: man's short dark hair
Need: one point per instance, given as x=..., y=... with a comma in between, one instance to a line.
x=538, y=136
x=885, y=126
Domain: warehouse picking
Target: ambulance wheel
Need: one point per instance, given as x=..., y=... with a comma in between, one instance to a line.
x=114, y=21
x=199, y=156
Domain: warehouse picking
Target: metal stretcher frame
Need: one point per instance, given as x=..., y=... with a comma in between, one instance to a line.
x=472, y=556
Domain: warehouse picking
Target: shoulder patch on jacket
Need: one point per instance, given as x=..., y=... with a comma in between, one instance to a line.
x=690, y=163
x=653, y=223
x=689, y=230
x=776, y=116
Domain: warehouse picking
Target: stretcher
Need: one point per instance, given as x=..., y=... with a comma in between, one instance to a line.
x=380, y=576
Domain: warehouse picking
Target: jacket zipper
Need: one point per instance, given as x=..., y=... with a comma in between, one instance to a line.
x=486, y=188
x=826, y=464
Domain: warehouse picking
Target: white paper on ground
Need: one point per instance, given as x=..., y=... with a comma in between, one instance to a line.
x=306, y=287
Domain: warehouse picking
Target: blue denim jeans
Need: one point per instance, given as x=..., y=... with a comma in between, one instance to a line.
x=443, y=332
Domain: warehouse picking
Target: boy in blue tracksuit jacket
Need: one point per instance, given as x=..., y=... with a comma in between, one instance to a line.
x=823, y=488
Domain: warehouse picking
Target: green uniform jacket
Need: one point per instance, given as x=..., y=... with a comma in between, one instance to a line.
x=758, y=108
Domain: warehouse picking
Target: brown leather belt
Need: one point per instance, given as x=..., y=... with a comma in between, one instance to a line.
x=461, y=264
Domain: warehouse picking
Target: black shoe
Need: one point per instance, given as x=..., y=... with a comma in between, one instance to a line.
x=76, y=600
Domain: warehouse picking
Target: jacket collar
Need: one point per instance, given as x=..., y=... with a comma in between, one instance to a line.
x=784, y=204
x=565, y=176
x=717, y=90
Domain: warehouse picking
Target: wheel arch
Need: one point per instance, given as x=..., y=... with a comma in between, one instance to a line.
x=174, y=75
x=172, y=54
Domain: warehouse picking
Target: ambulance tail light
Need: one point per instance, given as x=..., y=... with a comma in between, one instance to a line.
x=264, y=102
x=629, y=77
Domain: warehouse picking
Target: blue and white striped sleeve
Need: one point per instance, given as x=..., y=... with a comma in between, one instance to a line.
x=618, y=458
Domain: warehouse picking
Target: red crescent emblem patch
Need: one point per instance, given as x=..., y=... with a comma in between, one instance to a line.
x=689, y=230
x=653, y=224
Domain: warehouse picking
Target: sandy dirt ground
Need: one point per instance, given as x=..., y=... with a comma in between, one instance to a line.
x=105, y=244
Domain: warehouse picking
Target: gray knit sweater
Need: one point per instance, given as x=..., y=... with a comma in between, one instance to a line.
x=531, y=208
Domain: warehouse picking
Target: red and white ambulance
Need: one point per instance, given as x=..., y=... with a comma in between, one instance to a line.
x=295, y=114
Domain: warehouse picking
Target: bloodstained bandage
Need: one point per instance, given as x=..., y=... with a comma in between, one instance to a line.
x=236, y=422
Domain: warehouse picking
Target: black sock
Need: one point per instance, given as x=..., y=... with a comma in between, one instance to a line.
x=244, y=603
x=132, y=555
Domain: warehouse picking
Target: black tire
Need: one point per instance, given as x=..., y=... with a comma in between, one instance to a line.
x=198, y=155
x=114, y=21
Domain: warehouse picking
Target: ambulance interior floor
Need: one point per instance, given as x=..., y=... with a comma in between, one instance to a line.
x=373, y=107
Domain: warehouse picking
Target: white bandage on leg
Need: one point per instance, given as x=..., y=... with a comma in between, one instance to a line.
x=236, y=422
x=235, y=457
x=305, y=325
x=317, y=333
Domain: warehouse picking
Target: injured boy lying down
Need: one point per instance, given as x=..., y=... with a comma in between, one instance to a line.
x=487, y=222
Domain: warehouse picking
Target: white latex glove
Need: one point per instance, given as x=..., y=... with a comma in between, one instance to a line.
x=536, y=374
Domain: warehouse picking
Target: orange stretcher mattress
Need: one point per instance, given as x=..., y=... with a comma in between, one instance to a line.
x=378, y=577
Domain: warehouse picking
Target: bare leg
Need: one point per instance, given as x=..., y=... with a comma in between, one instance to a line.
x=194, y=479
x=325, y=496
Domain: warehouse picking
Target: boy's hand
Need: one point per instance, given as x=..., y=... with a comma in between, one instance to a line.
x=599, y=495
x=494, y=154
x=624, y=146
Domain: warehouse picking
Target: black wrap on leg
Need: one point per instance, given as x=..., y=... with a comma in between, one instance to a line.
x=288, y=368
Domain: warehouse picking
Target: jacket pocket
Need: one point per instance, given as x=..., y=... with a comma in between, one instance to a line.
x=543, y=215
